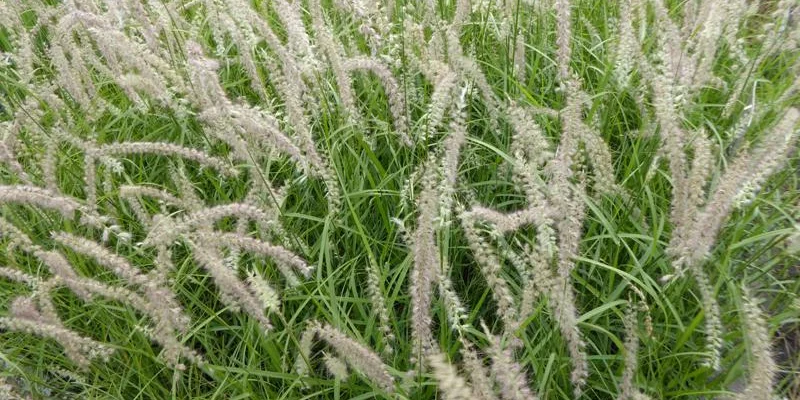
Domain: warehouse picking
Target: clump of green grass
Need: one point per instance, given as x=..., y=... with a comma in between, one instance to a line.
x=354, y=199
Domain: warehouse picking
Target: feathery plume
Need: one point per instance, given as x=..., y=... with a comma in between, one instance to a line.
x=452, y=151
x=168, y=309
x=479, y=375
x=397, y=103
x=40, y=197
x=762, y=366
x=491, y=267
x=443, y=87
x=379, y=303
x=713, y=319
x=160, y=148
x=167, y=229
x=26, y=317
x=131, y=192
x=452, y=386
x=426, y=264
x=301, y=362
x=61, y=268
x=166, y=320
x=334, y=54
x=508, y=373
x=283, y=257
x=563, y=38
x=504, y=223
x=628, y=390
x=359, y=357
x=116, y=263
x=267, y=294
x=18, y=276
x=747, y=170
x=456, y=313
x=335, y=366
x=233, y=292
x=626, y=46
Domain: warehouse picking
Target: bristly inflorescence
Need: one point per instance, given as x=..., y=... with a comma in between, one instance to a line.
x=144, y=144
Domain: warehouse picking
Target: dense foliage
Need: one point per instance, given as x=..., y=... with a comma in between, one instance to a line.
x=355, y=199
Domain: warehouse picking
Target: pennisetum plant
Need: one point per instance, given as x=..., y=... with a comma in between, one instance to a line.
x=259, y=110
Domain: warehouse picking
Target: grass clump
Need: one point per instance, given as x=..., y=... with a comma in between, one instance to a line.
x=352, y=199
